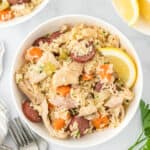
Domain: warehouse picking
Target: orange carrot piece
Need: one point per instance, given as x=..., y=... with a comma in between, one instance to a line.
x=63, y=90
x=6, y=15
x=105, y=67
x=104, y=72
x=87, y=77
x=109, y=77
x=100, y=121
x=58, y=124
x=105, y=120
x=33, y=53
x=50, y=106
x=96, y=122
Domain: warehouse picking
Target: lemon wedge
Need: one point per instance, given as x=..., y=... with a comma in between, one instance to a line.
x=145, y=9
x=122, y=63
x=128, y=9
x=4, y=5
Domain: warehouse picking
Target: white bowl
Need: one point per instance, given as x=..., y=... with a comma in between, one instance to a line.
x=142, y=26
x=53, y=25
x=24, y=18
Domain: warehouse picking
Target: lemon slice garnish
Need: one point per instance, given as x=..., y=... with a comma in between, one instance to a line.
x=4, y=5
x=123, y=64
x=145, y=9
x=128, y=9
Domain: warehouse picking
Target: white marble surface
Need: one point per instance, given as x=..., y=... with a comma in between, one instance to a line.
x=98, y=8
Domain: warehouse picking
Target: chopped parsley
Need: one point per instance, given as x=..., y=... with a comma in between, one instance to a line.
x=143, y=141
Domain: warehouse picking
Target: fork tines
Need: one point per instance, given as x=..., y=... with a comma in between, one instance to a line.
x=20, y=133
x=4, y=147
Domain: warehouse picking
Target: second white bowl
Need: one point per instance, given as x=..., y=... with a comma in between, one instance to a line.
x=24, y=18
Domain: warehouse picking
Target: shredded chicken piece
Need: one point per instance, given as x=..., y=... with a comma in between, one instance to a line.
x=34, y=74
x=127, y=94
x=47, y=123
x=87, y=110
x=119, y=112
x=92, y=116
x=34, y=95
x=36, y=77
x=122, y=112
x=68, y=74
x=114, y=101
x=103, y=95
x=63, y=102
x=48, y=57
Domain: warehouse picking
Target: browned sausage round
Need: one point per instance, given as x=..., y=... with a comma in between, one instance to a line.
x=40, y=39
x=30, y=113
x=83, y=124
x=84, y=58
x=48, y=39
x=13, y=2
x=54, y=35
x=98, y=86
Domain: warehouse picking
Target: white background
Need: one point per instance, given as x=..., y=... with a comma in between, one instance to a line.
x=98, y=8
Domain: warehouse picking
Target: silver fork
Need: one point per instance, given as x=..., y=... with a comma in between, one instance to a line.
x=2, y=50
x=4, y=147
x=22, y=135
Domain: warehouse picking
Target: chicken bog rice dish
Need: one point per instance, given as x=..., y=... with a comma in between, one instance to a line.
x=10, y=9
x=70, y=85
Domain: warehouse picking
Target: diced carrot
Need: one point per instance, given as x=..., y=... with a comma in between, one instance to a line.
x=105, y=120
x=109, y=77
x=87, y=77
x=96, y=122
x=50, y=106
x=6, y=15
x=105, y=76
x=102, y=75
x=58, y=124
x=100, y=121
x=33, y=53
x=105, y=67
x=104, y=72
x=63, y=90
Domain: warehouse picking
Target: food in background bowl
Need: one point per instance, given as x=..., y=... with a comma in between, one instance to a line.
x=145, y=9
x=10, y=9
x=78, y=80
x=134, y=12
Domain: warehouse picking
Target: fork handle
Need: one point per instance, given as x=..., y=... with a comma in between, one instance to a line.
x=31, y=146
x=1, y=56
x=4, y=147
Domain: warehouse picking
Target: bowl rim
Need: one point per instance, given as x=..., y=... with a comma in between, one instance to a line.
x=24, y=18
x=117, y=31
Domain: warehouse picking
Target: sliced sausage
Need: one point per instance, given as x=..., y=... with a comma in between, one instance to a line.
x=98, y=86
x=54, y=35
x=40, y=39
x=83, y=124
x=30, y=113
x=48, y=39
x=84, y=58
x=13, y=2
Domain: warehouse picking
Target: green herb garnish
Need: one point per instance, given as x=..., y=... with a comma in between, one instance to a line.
x=143, y=140
x=73, y=111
